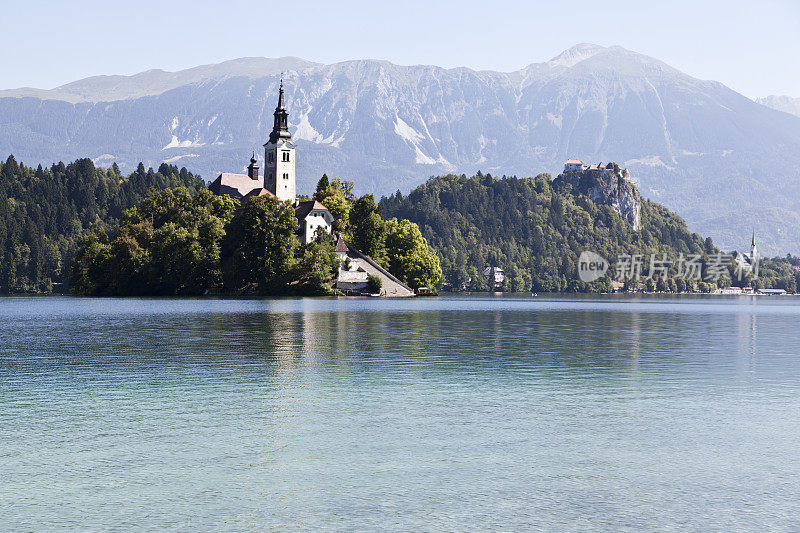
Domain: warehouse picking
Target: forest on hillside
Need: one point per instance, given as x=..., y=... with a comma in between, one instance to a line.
x=44, y=213
x=536, y=228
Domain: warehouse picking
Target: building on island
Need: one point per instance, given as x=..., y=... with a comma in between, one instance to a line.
x=313, y=217
x=279, y=178
x=279, y=152
x=238, y=185
x=279, y=182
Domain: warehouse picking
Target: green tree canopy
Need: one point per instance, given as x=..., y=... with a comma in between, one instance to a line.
x=260, y=245
x=367, y=227
x=46, y=212
x=168, y=245
x=408, y=255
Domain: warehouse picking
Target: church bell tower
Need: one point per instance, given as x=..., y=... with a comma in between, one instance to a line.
x=279, y=154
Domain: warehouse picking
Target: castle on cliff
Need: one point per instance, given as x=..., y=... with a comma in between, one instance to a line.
x=605, y=184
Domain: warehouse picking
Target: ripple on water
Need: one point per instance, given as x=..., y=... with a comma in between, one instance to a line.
x=476, y=413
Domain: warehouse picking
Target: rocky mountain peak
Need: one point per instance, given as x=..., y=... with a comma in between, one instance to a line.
x=575, y=54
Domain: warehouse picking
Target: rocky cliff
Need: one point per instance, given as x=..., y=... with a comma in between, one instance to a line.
x=607, y=185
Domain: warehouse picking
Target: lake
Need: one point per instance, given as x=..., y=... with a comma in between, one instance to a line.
x=459, y=413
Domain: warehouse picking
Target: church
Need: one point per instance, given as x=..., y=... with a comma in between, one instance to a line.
x=279, y=182
x=748, y=262
x=279, y=178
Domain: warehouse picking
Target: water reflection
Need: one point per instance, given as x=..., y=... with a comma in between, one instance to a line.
x=446, y=414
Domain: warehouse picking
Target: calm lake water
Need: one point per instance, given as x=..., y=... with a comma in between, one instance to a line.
x=437, y=414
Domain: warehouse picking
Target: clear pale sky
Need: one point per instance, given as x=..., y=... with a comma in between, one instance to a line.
x=751, y=46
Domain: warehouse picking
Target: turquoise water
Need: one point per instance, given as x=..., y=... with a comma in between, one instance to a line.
x=432, y=414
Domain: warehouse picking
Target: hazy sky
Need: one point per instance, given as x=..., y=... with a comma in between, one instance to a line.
x=752, y=46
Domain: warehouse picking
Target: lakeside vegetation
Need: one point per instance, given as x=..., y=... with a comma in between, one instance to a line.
x=44, y=213
x=162, y=233
x=178, y=243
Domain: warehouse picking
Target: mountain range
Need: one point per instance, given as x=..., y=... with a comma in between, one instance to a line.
x=729, y=165
x=783, y=103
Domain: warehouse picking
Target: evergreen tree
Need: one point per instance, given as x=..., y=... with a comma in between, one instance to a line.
x=44, y=214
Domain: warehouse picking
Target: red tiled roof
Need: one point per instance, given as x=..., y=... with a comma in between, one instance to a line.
x=341, y=245
x=304, y=208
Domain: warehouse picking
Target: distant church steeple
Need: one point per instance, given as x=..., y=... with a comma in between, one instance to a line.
x=279, y=152
x=753, y=250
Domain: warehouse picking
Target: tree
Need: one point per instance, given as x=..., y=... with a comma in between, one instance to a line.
x=339, y=207
x=322, y=188
x=88, y=275
x=167, y=245
x=182, y=236
x=374, y=284
x=408, y=256
x=367, y=227
x=316, y=269
x=46, y=213
x=259, y=245
x=649, y=285
x=680, y=285
x=326, y=188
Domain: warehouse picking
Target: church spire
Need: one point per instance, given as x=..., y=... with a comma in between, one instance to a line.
x=280, y=129
x=280, y=96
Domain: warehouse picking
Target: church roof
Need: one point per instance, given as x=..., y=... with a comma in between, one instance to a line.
x=305, y=207
x=255, y=193
x=234, y=185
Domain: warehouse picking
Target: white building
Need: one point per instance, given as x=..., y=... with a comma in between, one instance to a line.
x=494, y=277
x=312, y=216
x=748, y=262
x=355, y=269
x=279, y=155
